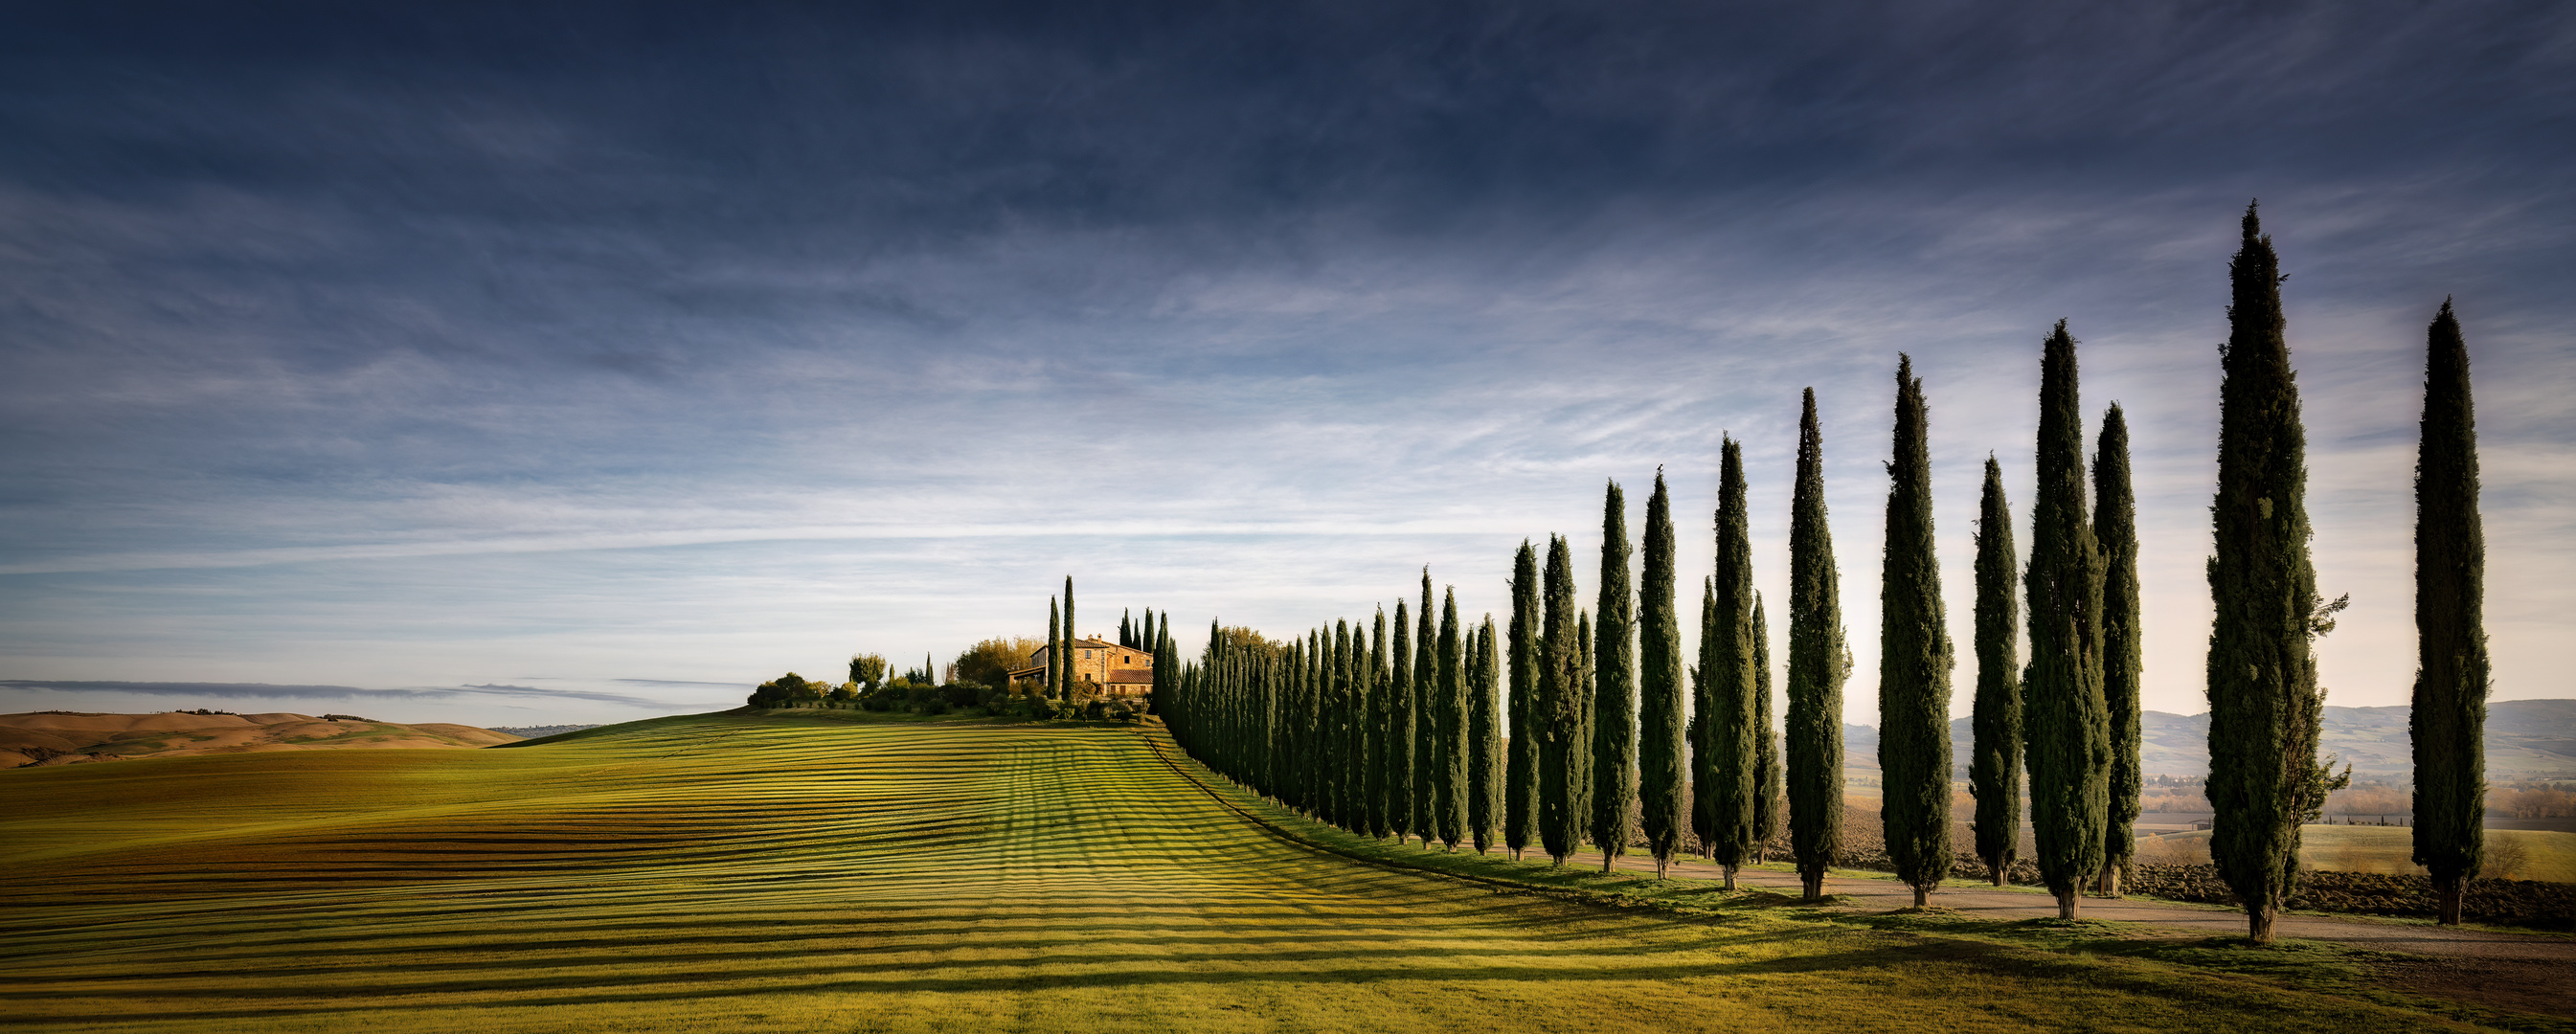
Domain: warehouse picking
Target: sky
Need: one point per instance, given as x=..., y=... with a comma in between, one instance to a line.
x=521, y=364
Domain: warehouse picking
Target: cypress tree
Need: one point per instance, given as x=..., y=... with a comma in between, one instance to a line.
x=1055, y=650
x=1071, y=679
x=1914, y=659
x=1818, y=663
x=1127, y=628
x=1771, y=796
x=1737, y=725
x=1994, y=772
x=2264, y=705
x=1426, y=722
x=1520, y=774
x=2066, y=722
x=1485, y=739
x=1380, y=717
x=2115, y=528
x=1588, y=710
x=1449, y=768
x=1400, y=730
x=1344, y=760
x=2450, y=701
x=1659, y=689
x=1702, y=726
x=1558, y=707
x=1614, y=680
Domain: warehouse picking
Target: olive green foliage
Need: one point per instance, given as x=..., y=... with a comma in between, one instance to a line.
x=1994, y=770
x=1558, y=704
x=2065, y=721
x=2115, y=527
x=1520, y=768
x=2264, y=702
x=2451, y=678
x=990, y=661
x=1818, y=663
x=1735, y=726
x=1659, y=688
x=1914, y=658
x=1614, y=686
x=786, y=690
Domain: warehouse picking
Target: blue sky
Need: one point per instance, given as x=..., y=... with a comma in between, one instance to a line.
x=583, y=362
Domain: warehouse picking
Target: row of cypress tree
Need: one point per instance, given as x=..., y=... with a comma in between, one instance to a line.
x=1400, y=737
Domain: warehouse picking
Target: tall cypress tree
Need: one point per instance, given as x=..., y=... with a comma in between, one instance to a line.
x=2115, y=527
x=1559, y=708
x=1520, y=770
x=2066, y=723
x=1485, y=739
x=1400, y=730
x=1127, y=629
x=1994, y=772
x=1345, y=761
x=1614, y=687
x=2264, y=704
x=1818, y=663
x=1659, y=688
x=1449, y=800
x=1736, y=725
x=1072, y=680
x=1380, y=718
x=1587, y=700
x=1426, y=722
x=1914, y=659
x=1055, y=649
x=1771, y=798
x=1703, y=726
x=2450, y=701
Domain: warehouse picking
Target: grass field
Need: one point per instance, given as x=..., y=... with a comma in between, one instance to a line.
x=2522, y=854
x=818, y=871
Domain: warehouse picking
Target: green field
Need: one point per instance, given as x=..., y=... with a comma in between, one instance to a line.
x=2522, y=854
x=819, y=871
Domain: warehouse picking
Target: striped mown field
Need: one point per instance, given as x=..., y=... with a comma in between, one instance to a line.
x=816, y=871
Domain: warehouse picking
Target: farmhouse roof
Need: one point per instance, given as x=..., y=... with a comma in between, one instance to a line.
x=1138, y=675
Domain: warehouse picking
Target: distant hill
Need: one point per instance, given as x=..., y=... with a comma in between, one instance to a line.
x=533, y=732
x=2526, y=739
x=67, y=738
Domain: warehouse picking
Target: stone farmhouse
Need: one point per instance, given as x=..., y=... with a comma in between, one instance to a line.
x=1099, y=666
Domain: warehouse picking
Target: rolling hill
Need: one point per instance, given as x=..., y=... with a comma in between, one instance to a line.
x=797, y=871
x=69, y=738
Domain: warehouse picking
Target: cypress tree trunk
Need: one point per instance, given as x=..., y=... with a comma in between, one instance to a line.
x=1449, y=800
x=1520, y=775
x=1771, y=795
x=2115, y=527
x=1614, y=678
x=1914, y=660
x=1400, y=730
x=1485, y=737
x=2450, y=701
x=2066, y=722
x=1818, y=662
x=1659, y=689
x=1426, y=719
x=1559, y=707
x=2264, y=705
x=1737, y=725
x=1994, y=773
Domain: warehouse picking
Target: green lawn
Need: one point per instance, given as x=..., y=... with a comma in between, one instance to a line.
x=824, y=871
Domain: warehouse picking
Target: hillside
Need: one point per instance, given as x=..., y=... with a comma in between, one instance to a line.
x=2526, y=740
x=812, y=870
x=60, y=738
